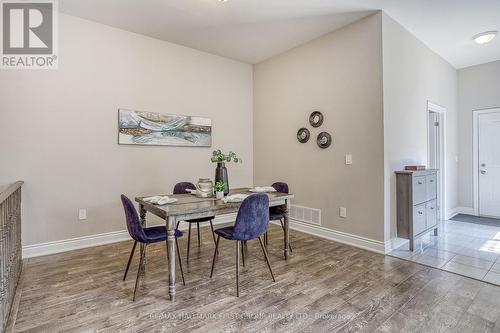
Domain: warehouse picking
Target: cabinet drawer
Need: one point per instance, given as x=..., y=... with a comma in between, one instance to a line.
x=419, y=190
x=419, y=220
x=431, y=187
x=431, y=213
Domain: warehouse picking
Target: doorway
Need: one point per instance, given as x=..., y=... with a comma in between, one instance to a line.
x=486, y=125
x=436, y=122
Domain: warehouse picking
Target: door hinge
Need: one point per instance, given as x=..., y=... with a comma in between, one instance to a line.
x=436, y=123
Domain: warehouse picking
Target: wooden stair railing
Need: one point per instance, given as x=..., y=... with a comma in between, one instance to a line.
x=10, y=247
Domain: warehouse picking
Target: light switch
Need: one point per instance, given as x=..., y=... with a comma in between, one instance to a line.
x=82, y=214
x=343, y=212
x=348, y=159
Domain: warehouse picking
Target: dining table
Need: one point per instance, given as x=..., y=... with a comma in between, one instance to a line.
x=188, y=206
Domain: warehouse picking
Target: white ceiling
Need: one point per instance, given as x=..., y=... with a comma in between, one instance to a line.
x=254, y=30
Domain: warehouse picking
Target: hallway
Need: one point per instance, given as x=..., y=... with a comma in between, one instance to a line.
x=468, y=249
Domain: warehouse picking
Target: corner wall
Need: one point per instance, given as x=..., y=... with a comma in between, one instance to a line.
x=478, y=88
x=59, y=127
x=339, y=74
x=413, y=74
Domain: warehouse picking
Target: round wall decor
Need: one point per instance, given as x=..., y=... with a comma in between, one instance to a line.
x=303, y=135
x=316, y=119
x=324, y=140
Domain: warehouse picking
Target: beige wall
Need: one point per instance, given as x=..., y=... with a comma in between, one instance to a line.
x=413, y=74
x=478, y=88
x=339, y=74
x=59, y=128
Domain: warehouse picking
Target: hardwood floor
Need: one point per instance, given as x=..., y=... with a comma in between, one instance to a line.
x=324, y=287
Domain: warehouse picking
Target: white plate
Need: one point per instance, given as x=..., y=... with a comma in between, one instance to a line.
x=261, y=190
x=154, y=200
x=170, y=200
x=235, y=198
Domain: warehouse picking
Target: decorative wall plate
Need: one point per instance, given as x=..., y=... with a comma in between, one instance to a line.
x=324, y=140
x=303, y=135
x=316, y=119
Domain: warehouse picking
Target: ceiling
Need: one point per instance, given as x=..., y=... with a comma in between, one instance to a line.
x=254, y=30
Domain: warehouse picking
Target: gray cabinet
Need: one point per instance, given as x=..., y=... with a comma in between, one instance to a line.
x=416, y=203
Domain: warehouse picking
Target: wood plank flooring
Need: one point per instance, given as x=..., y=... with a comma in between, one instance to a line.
x=324, y=287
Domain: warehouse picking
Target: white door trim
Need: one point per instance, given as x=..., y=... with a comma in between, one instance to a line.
x=441, y=111
x=475, y=154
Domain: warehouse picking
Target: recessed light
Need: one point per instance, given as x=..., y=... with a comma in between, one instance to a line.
x=222, y=0
x=485, y=37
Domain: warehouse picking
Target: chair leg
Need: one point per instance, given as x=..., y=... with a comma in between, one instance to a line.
x=177, y=226
x=237, y=268
x=198, y=229
x=267, y=259
x=141, y=262
x=243, y=252
x=213, y=234
x=215, y=255
x=289, y=243
x=180, y=261
x=189, y=243
x=129, y=260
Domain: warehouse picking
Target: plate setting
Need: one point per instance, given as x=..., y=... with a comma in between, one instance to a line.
x=324, y=140
x=160, y=200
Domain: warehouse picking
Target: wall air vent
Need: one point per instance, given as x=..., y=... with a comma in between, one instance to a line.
x=305, y=214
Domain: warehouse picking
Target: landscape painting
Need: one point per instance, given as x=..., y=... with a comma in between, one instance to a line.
x=163, y=129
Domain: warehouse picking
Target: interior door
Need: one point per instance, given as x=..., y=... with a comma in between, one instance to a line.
x=434, y=150
x=433, y=141
x=489, y=164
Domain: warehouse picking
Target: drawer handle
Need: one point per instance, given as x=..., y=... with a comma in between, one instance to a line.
x=419, y=183
x=432, y=180
x=420, y=213
x=432, y=208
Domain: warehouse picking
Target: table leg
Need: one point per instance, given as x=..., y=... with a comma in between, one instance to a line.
x=287, y=229
x=142, y=215
x=170, y=243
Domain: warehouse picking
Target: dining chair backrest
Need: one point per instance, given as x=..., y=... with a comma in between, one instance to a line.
x=180, y=188
x=253, y=217
x=281, y=187
x=134, y=226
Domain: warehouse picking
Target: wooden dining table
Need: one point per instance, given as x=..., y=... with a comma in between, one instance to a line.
x=189, y=206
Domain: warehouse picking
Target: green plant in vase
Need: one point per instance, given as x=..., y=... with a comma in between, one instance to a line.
x=219, y=190
x=220, y=171
x=218, y=157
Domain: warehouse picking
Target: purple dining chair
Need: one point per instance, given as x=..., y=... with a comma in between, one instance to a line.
x=252, y=222
x=144, y=236
x=277, y=213
x=180, y=188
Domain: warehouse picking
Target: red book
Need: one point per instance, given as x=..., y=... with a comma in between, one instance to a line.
x=415, y=167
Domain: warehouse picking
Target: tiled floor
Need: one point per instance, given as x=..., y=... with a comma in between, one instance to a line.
x=468, y=249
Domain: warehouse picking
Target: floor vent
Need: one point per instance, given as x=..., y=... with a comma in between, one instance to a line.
x=305, y=214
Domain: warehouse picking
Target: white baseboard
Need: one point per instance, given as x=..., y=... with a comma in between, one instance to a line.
x=58, y=246
x=338, y=236
x=64, y=245
x=459, y=210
